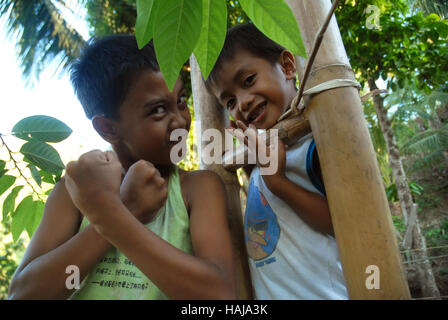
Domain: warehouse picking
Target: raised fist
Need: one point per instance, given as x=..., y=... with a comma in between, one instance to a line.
x=143, y=191
x=94, y=181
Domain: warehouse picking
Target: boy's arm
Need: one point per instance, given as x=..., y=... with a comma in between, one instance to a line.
x=55, y=245
x=312, y=208
x=207, y=275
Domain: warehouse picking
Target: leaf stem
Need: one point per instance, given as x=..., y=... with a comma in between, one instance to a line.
x=10, y=152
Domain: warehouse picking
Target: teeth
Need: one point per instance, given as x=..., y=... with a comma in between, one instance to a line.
x=257, y=113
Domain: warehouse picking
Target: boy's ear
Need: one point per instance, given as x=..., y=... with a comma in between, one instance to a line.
x=106, y=128
x=288, y=64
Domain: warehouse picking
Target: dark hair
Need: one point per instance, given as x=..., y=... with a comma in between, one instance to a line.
x=103, y=74
x=245, y=37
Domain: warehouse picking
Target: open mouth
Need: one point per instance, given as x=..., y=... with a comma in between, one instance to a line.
x=258, y=113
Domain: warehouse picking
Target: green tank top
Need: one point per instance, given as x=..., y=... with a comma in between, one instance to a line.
x=116, y=277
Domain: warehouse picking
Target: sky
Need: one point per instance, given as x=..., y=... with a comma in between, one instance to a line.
x=52, y=95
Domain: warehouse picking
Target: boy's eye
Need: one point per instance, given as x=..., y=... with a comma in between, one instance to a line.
x=230, y=104
x=158, y=110
x=249, y=80
x=182, y=100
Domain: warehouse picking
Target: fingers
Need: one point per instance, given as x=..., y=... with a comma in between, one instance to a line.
x=111, y=156
x=146, y=171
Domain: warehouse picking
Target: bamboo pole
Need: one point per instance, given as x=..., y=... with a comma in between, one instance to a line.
x=358, y=204
x=211, y=115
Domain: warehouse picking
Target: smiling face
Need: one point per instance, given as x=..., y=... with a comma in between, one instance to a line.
x=253, y=90
x=148, y=115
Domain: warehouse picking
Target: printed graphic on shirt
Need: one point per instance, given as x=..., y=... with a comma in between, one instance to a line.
x=113, y=272
x=261, y=228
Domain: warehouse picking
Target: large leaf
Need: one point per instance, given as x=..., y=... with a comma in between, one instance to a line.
x=10, y=202
x=176, y=31
x=42, y=128
x=276, y=20
x=213, y=34
x=145, y=22
x=6, y=182
x=43, y=156
x=24, y=212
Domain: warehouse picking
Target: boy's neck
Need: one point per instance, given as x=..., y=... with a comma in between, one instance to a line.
x=127, y=162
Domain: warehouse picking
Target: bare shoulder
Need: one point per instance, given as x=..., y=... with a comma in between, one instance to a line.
x=201, y=184
x=199, y=179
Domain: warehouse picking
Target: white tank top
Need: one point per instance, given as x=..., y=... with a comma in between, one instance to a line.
x=287, y=258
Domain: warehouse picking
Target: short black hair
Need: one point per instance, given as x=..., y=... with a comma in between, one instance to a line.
x=245, y=37
x=106, y=69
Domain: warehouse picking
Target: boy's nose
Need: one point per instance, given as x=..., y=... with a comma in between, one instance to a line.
x=178, y=120
x=245, y=102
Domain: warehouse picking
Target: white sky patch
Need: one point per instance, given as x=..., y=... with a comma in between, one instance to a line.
x=52, y=95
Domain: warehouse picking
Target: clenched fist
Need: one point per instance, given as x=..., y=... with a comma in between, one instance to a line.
x=93, y=182
x=143, y=191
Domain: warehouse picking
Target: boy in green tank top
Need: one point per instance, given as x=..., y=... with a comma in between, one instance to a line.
x=129, y=222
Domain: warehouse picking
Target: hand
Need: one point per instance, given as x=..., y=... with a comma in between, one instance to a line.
x=143, y=191
x=93, y=182
x=270, y=157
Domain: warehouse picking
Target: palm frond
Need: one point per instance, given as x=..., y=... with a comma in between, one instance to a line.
x=42, y=34
x=439, y=7
x=432, y=139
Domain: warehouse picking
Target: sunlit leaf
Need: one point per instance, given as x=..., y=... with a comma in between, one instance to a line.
x=24, y=212
x=213, y=34
x=42, y=128
x=6, y=182
x=10, y=202
x=35, y=174
x=34, y=220
x=2, y=168
x=276, y=20
x=42, y=156
x=176, y=31
x=145, y=22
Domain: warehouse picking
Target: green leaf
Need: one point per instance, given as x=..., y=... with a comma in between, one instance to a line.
x=276, y=20
x=176, y=31
x=35, y=174
x=10, y=202
x=34, y=220
x=145, y=22
x=22, y=215
x=6, y=182
x=41, y=128
x=47, y=177
x=213, y=34
x=2, y=168
x=43, y=156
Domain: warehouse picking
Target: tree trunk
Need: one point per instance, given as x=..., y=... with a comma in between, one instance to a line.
x=423, y=265
x=209, y=114
x=403, y=191
x=359, y=210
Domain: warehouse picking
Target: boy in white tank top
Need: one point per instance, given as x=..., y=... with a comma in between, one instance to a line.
x=288, y=230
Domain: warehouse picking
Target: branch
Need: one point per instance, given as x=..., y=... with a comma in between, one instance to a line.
x=17, y=167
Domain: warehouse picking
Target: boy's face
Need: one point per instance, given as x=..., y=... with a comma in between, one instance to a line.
x=148, y=115
x=255, y=91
